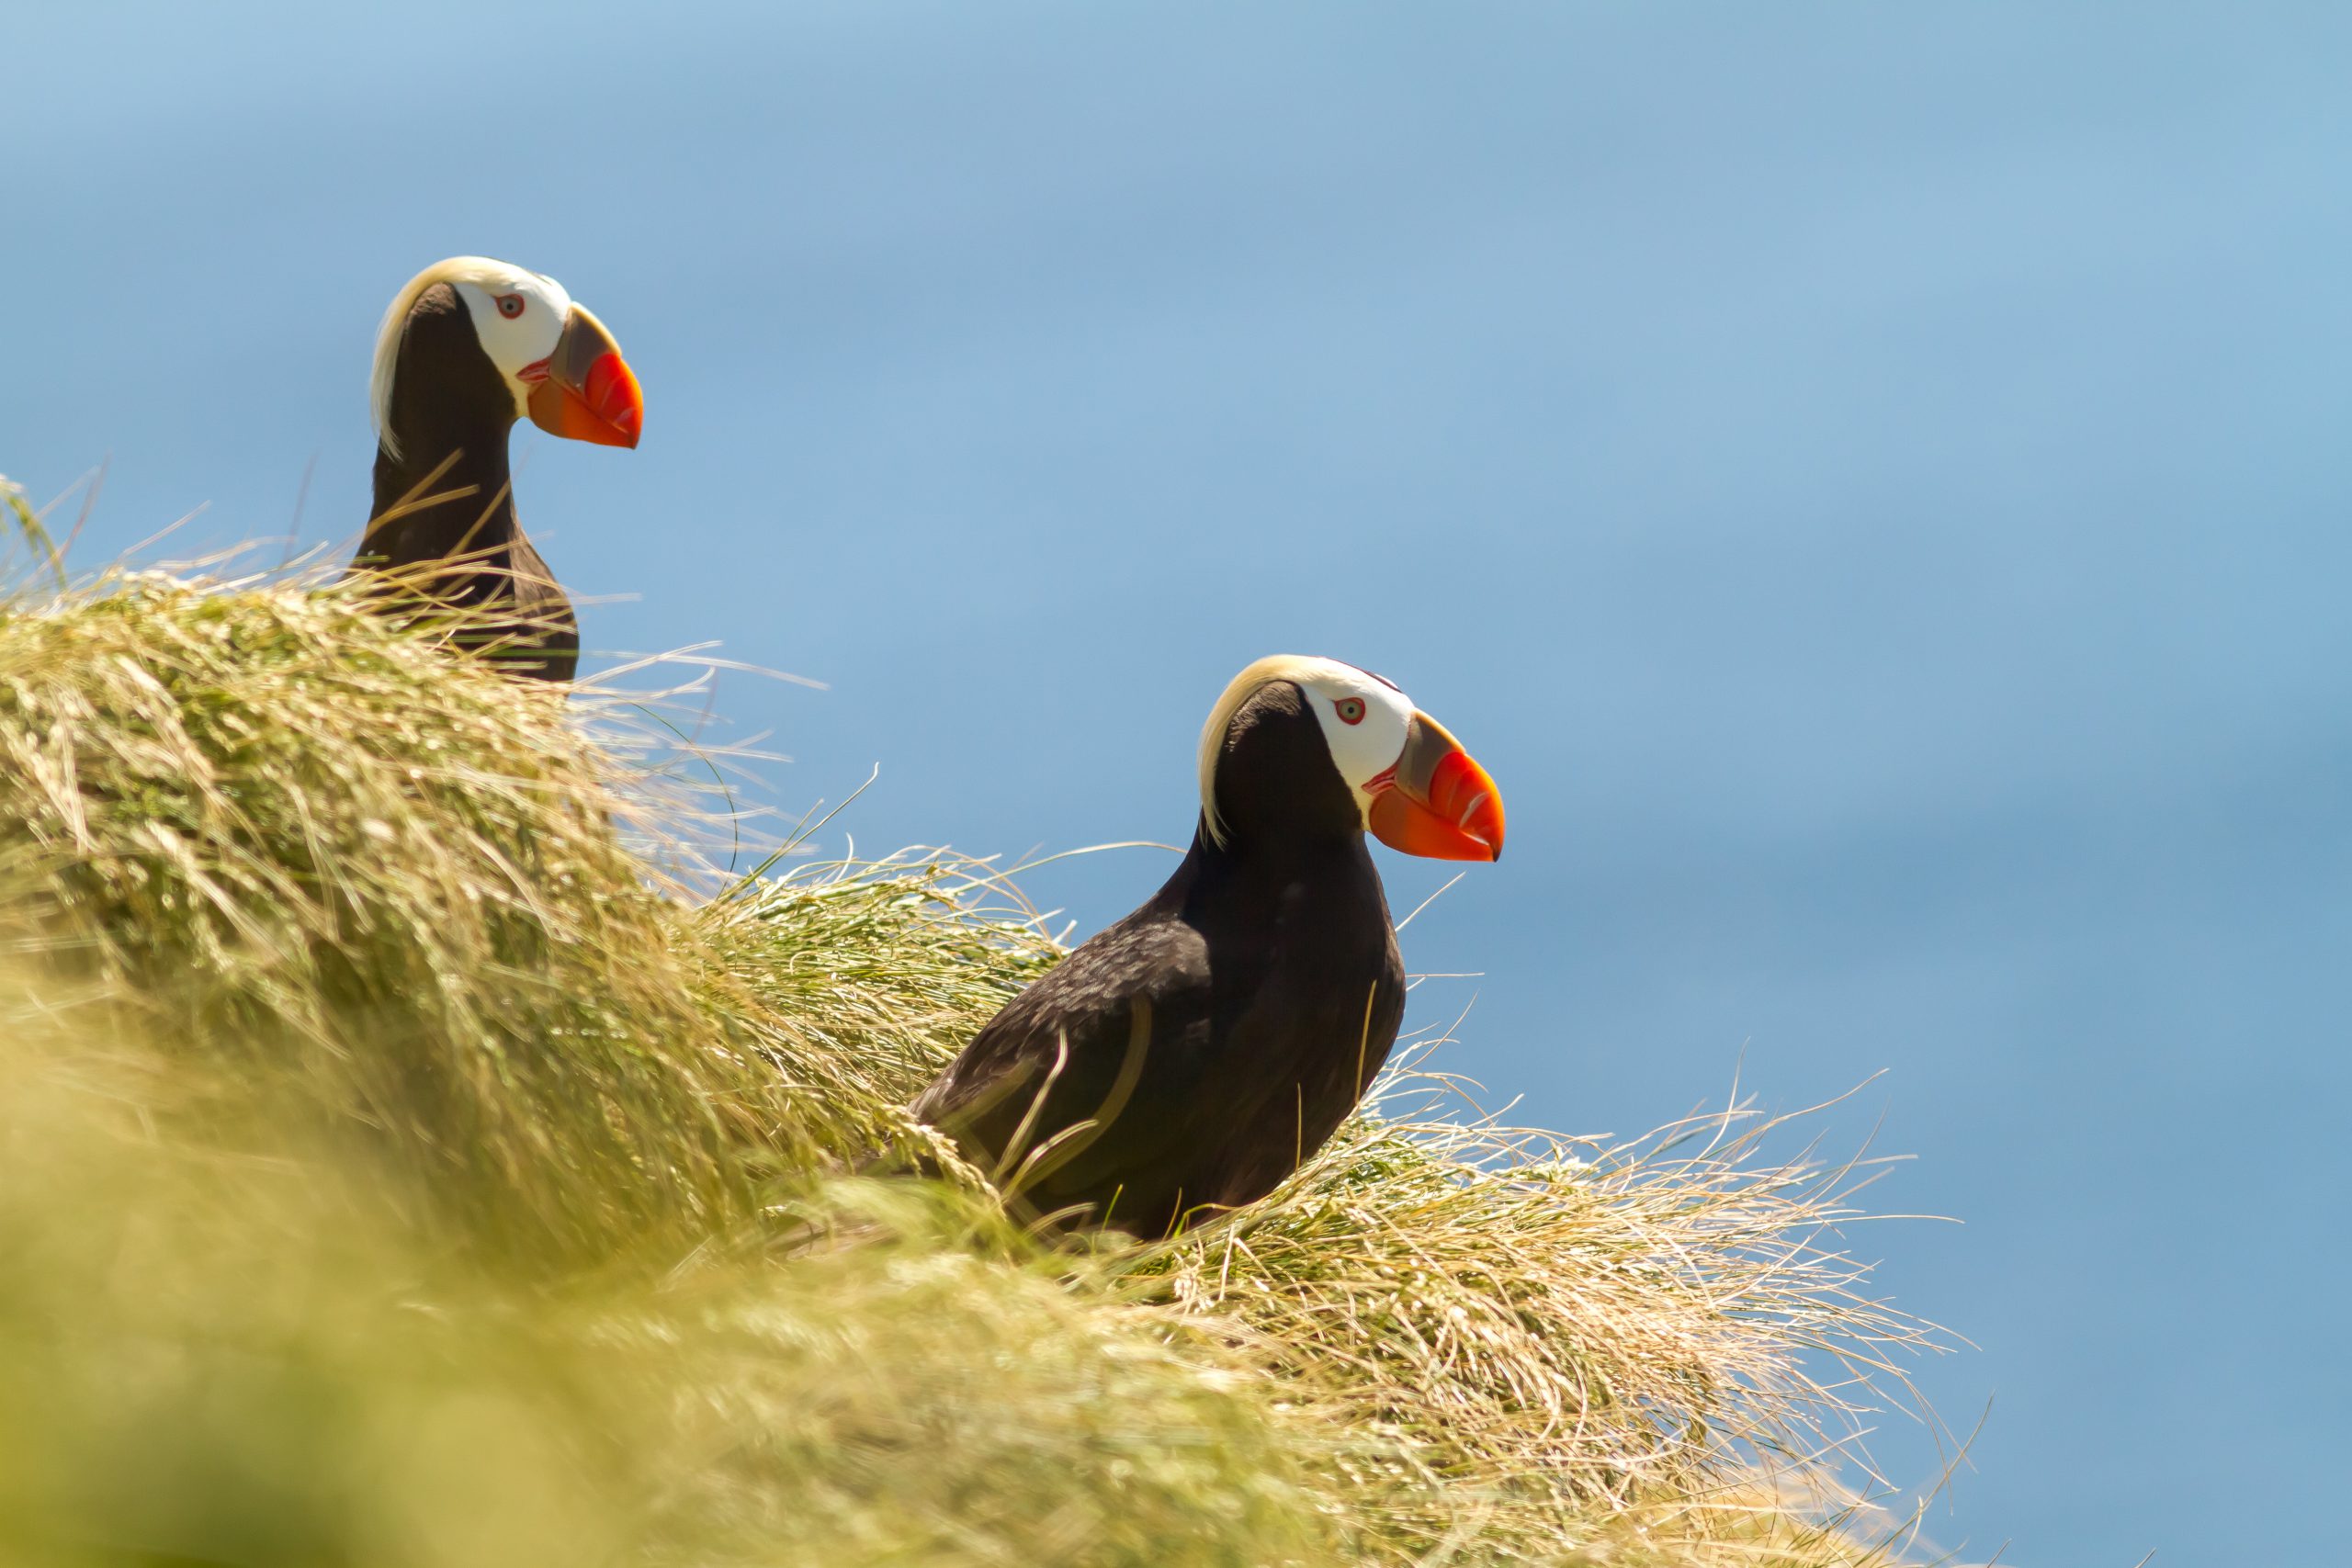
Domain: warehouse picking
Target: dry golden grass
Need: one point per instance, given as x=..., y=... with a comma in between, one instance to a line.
x=414, y=1156
x=1556, y=1333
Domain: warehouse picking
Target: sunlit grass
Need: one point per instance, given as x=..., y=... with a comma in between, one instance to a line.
x=415, y=1152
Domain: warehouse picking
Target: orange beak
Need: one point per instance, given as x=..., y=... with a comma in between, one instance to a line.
x=1438, y=802
x=585, y=390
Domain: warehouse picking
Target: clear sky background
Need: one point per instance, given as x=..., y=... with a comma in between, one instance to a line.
x=1869, y=482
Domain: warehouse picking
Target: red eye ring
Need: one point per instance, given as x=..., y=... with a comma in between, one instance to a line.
x=1350, y=709
x=510, y=305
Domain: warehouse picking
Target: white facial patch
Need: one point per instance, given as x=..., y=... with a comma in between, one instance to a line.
x=1364, y=722
x=517, y=315
x=517, y=319
x=1365, y=746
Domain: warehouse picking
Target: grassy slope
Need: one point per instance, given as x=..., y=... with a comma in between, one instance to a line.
x=401, y=1168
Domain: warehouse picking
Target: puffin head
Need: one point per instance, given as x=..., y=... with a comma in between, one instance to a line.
x=1298, y=743
x=496, y=339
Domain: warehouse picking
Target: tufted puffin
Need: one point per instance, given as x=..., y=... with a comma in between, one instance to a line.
x=1185, y=1060
x=469, y=346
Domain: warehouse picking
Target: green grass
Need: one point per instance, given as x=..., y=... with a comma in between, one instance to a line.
x=415, y=1154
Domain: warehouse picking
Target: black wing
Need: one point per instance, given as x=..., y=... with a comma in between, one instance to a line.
x=1117, y=1036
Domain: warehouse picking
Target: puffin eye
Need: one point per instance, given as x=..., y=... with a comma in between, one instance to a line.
x=510, y=305
x=1351, y=710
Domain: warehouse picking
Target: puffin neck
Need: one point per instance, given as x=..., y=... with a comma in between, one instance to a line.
x=449, y=491
x=436, y=510
x=1276, y=858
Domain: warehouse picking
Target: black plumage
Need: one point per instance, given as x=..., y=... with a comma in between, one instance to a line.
x=1217, y=1036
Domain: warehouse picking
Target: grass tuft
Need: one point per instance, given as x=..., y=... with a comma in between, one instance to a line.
x=415, y=1155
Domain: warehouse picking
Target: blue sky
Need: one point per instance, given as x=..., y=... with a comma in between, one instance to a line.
x=1871, y=482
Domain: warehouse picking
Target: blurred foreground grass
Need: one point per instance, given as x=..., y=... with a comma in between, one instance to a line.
x=410, y=1156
